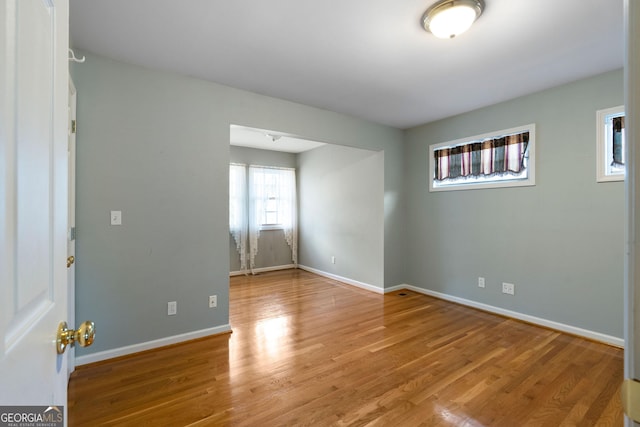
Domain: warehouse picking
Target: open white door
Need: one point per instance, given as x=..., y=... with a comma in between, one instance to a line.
x=34, y=75
x=631, y=395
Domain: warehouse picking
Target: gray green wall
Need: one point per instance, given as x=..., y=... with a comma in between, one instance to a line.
x=273, y=250
x=341, y=199
x=561, y=242
x=156, y=146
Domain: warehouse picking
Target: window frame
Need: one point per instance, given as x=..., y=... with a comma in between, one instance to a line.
x=498, y=182
x=265, y=226
x=603, y=145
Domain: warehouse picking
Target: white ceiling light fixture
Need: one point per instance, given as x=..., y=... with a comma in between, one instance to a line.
x=447, y=19
x=273, y=137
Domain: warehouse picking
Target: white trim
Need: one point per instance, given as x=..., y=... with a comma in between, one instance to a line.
x=262, y=269
x=136, y=348
x=352, y=282
x=530, y=180
x=283, y=168
x=596, y=336
x=601, y=145
x=395, y=288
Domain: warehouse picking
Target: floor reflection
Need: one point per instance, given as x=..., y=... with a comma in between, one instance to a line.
x=456, y=419
x=271, y=336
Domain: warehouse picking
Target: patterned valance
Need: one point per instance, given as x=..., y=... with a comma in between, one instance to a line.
x=489, y=157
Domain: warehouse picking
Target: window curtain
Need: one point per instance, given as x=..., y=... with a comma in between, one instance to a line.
x=275, y=185
x=257, y=200
x=618, y=138
x=238, y=219
x=491, y=157
x=288, y=208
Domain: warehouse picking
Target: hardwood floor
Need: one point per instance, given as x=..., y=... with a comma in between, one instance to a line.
x=309, y=351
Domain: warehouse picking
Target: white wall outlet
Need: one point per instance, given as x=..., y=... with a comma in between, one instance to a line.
x=508, y=288
x=116, y=217
x=481, y=282
x=172, y=308
x=333, y=260
x=213, y=301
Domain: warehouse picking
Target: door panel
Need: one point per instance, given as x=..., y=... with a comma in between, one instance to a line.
x=33, y=131
x=33, y=200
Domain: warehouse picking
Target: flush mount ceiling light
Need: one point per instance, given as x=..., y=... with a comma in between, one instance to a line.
x=274, y=138
x=449, y=18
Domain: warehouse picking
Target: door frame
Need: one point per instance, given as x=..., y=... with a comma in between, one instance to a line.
x=71, y=220
x=632, y=190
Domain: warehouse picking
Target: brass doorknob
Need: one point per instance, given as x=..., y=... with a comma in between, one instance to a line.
x=84, y=335
x=70, y=261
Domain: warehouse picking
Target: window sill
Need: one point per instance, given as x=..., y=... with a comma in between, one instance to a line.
x=271, y=227
x=610, y=178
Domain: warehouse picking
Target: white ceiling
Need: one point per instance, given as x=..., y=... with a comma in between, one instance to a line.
x=270, y=140
x=366, y=58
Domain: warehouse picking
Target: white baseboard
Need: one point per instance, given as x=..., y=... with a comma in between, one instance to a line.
x=346, y=280
x=596, y=336
x=395, y=288
x=262, y=269
x=136, y=348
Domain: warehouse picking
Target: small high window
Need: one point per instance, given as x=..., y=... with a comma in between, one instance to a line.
x=498, y=159
x=610, y=144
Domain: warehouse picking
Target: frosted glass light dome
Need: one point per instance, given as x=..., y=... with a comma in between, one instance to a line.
x=450, y=18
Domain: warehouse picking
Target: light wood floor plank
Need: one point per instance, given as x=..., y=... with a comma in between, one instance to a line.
x=306, y=350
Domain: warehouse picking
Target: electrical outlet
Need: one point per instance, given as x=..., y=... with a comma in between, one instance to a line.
x=481, y=282
x=213, y=301
x=508, y=288
x=172, y=308
x=333, y=260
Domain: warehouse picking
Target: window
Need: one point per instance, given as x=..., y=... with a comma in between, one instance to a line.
x=272, y=191
x=610, y=144
x=268, y=202
x=503, y=158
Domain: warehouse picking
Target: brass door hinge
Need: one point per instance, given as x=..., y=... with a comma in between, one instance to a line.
x=630, y=391
x=73, y=126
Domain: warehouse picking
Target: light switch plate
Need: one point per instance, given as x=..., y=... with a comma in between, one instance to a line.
x=116, y=217
x=172, y=308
